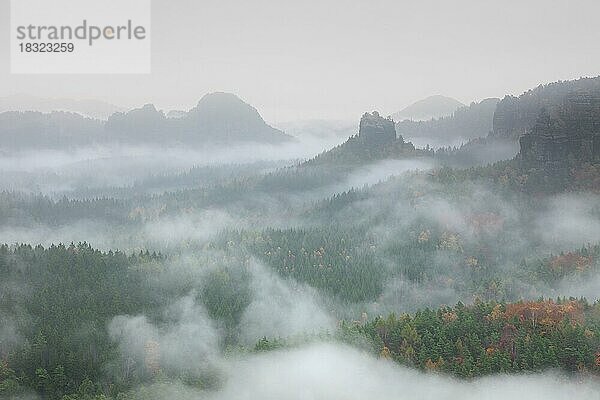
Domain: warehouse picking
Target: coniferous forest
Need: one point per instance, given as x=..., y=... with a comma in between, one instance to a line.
x=311, y=247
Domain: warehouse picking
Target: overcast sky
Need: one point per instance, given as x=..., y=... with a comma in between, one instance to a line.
x=336, y=59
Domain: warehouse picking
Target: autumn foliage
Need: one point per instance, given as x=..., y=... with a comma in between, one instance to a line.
x=486, y=338
x=545, y=313
x=570, y=262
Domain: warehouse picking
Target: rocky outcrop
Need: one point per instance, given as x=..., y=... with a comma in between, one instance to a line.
x=376, y=130
x=567, y=136
x=510, y=121
x=377, y=140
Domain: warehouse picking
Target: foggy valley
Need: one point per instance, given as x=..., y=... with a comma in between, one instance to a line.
x=447, y=248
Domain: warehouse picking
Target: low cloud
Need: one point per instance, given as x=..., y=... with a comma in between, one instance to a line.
x=9, y=334
x=198, y=226
x=330, y=371
x=185, y=341
x=383, y=170
x=570, y=221
x=281, y=308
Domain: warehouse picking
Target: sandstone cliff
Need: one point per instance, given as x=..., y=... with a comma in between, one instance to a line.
x=376, y=130
x=565, y=136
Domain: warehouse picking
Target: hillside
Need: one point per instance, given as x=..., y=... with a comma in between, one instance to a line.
x=567, y=136
x=225, y=117
x=431, y=107
x=218, y=118
x=462, y=125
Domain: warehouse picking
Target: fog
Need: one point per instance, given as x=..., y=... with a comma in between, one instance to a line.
x=481, y=222
x=104, y=167
x=281, y=308
x=399, y=197
x=147, y=225
x=188, y=341
x=9, y=335
x=382, y=171
x=399, y=202
x=161, y=238
x=570, y=220
x=330, y=371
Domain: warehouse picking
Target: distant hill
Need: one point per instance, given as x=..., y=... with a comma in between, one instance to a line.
x=432, y=107
x=225, y=117
x=88, y=108
x=463, y=124
x=219, y=118
x=140, y=125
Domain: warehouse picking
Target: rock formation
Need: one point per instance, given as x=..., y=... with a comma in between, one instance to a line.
x=376, y=140
x=377, y=131
x=566, y=136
